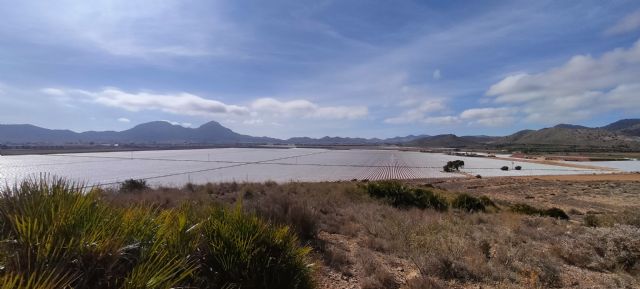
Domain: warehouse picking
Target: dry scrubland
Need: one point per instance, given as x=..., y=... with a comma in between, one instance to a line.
x=474, y=233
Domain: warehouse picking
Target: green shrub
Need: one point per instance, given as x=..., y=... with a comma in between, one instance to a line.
x=468, y=203
x=427, y=199
x=525, y=209
x=555, y=213
x=55, y=235
x=529, y=210
x=245, y=252
x=399, y=195
x=132, y=185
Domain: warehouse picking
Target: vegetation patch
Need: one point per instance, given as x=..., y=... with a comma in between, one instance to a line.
x=468, y=203
x=133, y=185
x=55, y=235
x=452, y=166
x=399, y=195
x=530, y=210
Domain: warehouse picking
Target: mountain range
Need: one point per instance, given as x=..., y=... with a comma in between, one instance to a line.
x=161, y=132
x=620, y=134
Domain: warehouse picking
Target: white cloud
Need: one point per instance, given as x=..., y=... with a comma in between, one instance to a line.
x=442, y=120
x=583, y=87
x=253, y=121
x=436, y=74
x=184, y=124
x=307, y=109
x=424, y=113
x=53, y=91
x=123, y=119
x=627, y=24
x=420, y=111
x=179, y=103
x=193, y=105
x=141, y=28
x=490, y=116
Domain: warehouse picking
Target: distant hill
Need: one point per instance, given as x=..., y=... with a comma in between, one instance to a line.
x=623, y=134
x=620, y=135
x=568, y=136
x=157, y=132
x=162, y=132
x=350, y=141
x=629, y=127
x=451, y=141
x=570, y=126
x=26, y=133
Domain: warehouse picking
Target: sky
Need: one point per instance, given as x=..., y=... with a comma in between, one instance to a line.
x=285, y=68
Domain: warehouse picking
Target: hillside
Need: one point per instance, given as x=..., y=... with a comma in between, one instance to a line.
x=630, y=127
x=568, y=135
x=451, y=141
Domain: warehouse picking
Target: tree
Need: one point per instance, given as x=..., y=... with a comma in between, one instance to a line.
x=453, y=166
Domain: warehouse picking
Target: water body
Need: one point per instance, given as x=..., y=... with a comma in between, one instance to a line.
x=177, y=167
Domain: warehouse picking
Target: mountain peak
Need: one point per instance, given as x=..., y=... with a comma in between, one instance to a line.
x=155, y=124
x=570, y=126
x=211, y=124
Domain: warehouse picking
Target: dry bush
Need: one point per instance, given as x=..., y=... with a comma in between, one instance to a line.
x=338, y=259
x=282, y=208
x=602, y=249
x=422, y=282
x=163, y=197
x=376, y=275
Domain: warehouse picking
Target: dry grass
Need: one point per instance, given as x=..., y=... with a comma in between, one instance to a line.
x=374, y=245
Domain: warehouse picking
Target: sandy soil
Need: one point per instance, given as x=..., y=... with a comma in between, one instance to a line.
x=560, y=164
x=581, y=193
x=590, y=177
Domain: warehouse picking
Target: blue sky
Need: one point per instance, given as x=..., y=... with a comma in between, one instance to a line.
x=316, y=68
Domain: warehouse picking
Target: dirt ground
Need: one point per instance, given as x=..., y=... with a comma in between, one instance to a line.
x=597, y=193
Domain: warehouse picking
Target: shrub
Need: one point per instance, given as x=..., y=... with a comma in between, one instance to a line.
x=377, y=277
x=337, y=259
x=448, y=268
x=63, y=237
x=132, y=185
x=468, y=203
x=392, y=190
x=284, y=209
x=555, y=213
x=427, y=199
x=402, y=196
x=529, y=210
x=524, y=209
x=243, y=251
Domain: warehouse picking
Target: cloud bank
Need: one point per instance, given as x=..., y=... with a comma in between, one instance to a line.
x=188, y=104
x=583, y=87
